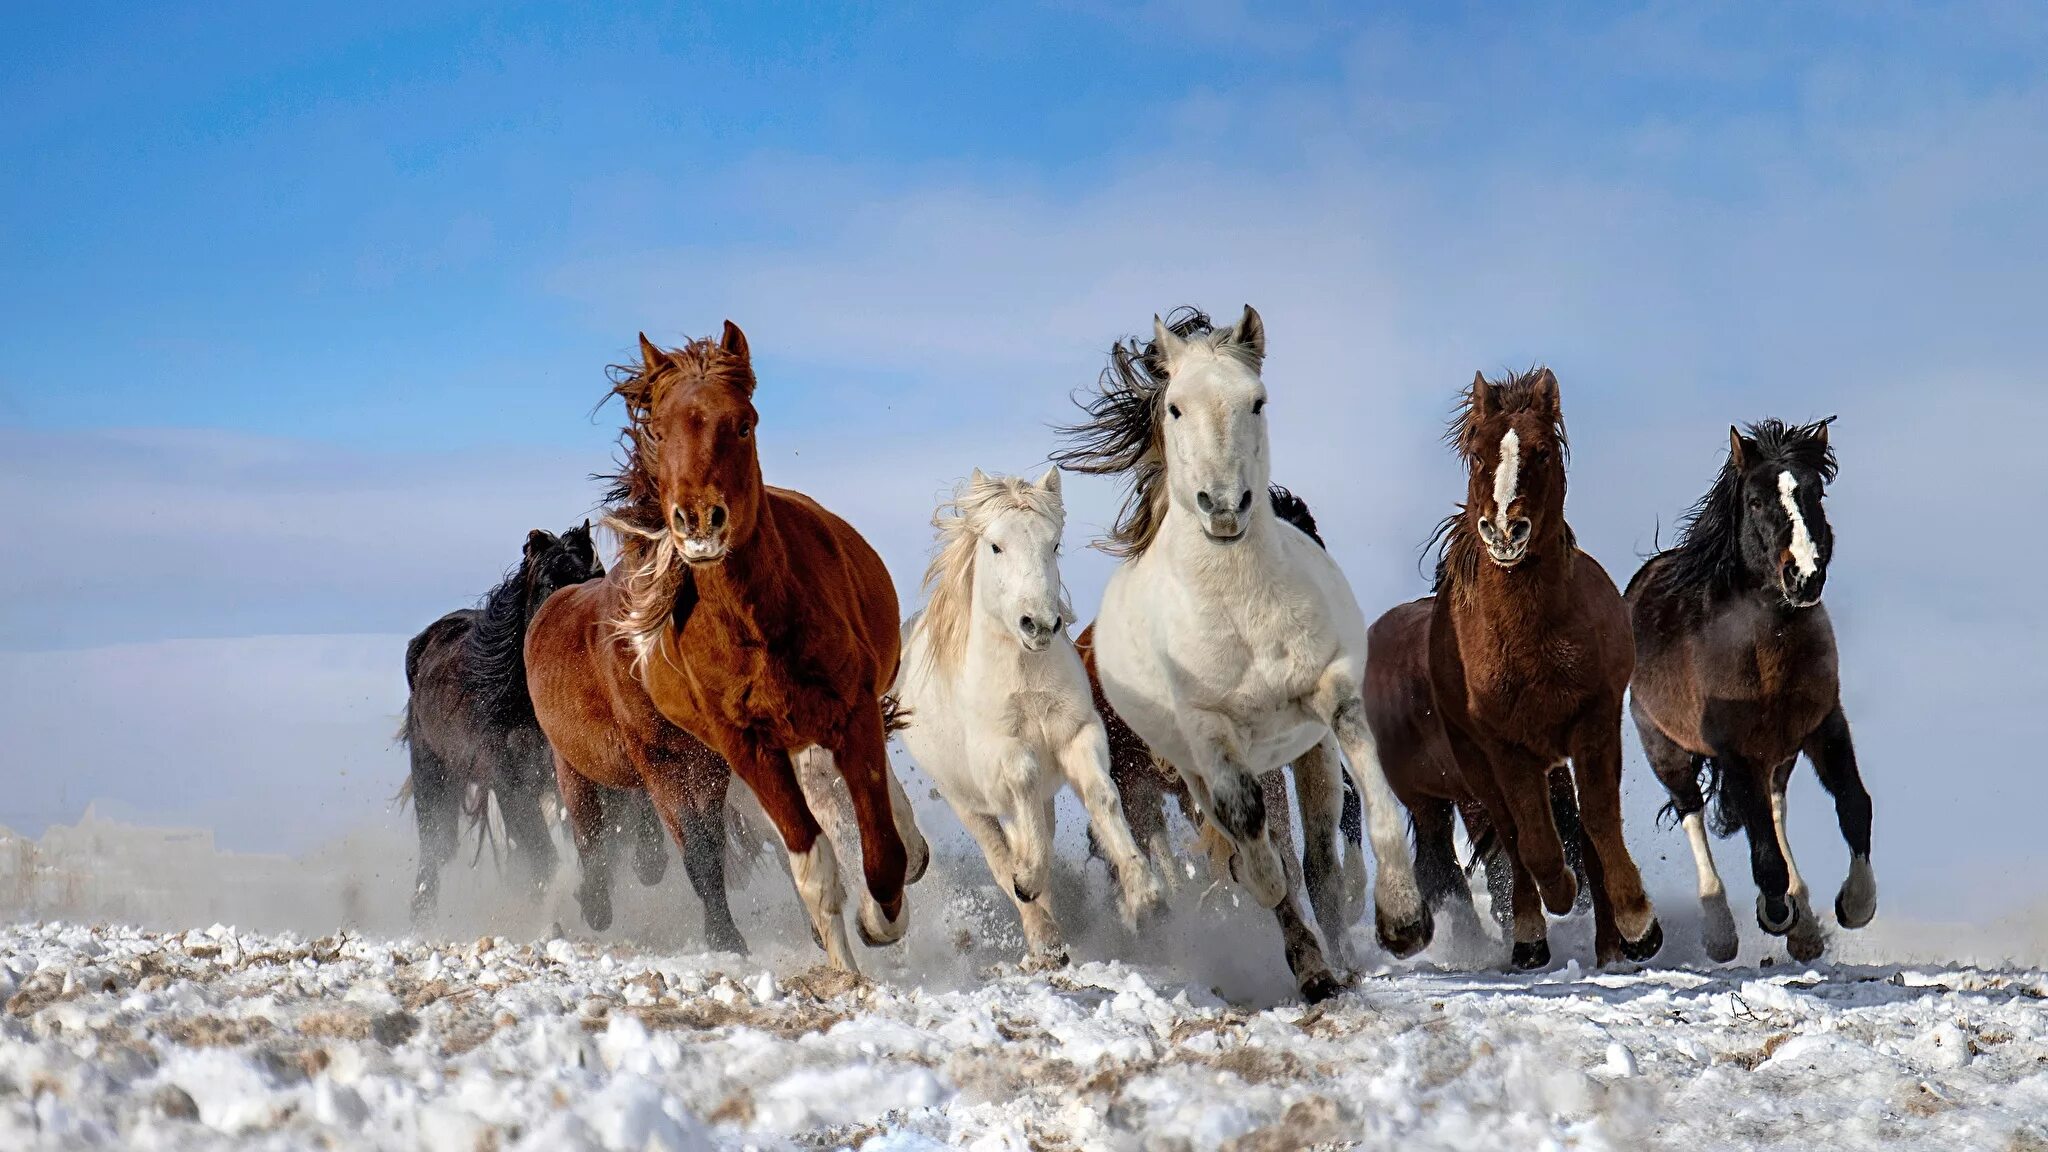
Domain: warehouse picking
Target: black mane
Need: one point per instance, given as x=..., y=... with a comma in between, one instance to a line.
x=495, y=650
x=1708, y=556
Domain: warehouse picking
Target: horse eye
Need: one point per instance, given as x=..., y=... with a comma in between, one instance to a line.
x=1258, y=405
x=996, y=548
x=746, y=430
x=1173, y=410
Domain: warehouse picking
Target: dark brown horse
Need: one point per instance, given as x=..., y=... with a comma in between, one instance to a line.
x=1736, y=672
x=469, y=725
x=1416, y=756
x=1529, y=660
x=756, y=621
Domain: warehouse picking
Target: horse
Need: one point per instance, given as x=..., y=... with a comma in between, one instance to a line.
x=1737, y=674
x=469, y=725
x=1003, y=714
x=751, y=618
x=1416, y=755
x=1227, y=639
x=1144, y=782
x=1529, y=660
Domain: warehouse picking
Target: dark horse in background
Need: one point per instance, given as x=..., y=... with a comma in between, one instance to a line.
x=1737, y=673
x=1529, y=660
x=1144, y=782
x=469, y=724
x=1416, y=755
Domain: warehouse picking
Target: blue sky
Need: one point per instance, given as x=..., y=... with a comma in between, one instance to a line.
x=307, y=308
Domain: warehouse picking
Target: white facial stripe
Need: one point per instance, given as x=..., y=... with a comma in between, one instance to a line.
x=1507, y=478
x=1804, y=555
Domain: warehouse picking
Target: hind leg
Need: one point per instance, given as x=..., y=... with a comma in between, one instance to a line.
x=1436, y=866
x=1834, y=758
x=635, y=814
x=1401, y=918
x=436, y=807
x=1804, y=942
x=1679, y=772
x=1351, y=827
x=1746, y=791
x=813, y=867
x=1571, y=831
x=526, y=833
x=1320, y=798
x=694, y=811
x=583, y=803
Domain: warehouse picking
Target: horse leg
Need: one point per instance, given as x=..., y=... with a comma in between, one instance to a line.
x=583, y=803
x=526, y=832
x=1596, y=764
x=1804, y=942
x=1436, y=865
x=1320, y=798
x=1041, y=931
x=1143, y=799
x=1529, y=932
x=1679, y=772
x=813, y=867
x=1571, y=831
x=1834, y=758
x=1351, y=823
x=1746, y=788
x=639, y=814
x=1524, y=784
x=436, y=807
x=1085, y=763
x=1401, y=917
x=862, y=756
x=694, y=811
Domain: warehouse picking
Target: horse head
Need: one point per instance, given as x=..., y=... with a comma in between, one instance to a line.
x=694, y=411
x=1511, y=434
x=1213, y=434
x=549, y=563
x=1777, y=476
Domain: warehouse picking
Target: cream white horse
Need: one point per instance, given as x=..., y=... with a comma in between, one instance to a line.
x=1000, y=713
x=1228, y=640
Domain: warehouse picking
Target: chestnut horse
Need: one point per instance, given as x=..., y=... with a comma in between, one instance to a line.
x=1529, y=660
x=1424, y=775
x=1736, y=672
x=756, y=621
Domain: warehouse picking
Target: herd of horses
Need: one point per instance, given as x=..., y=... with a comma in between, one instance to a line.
x=746, y=630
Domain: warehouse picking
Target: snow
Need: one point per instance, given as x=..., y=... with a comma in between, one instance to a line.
x=119, y=1037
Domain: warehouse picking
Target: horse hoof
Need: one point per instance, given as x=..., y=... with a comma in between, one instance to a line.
x=1805, y=944
x=1531, y=956
x=1317, y=987
x=877, y=929
x=423, y=902
x=1050, y=960
x=1853, y=910
x=730, y=940
x=649, y=868
x=1717, y=931
x=1404, y=940
x=1651, y=943
x=598, y=914
x=1776, y=925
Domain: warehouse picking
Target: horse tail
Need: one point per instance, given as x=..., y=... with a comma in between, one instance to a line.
x=1725, y=819
x=1482, y=849
x=403, y=796
x=1294, y=510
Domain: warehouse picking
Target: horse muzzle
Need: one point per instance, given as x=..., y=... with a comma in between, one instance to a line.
x=1800, y=591
x=1035, y=633
x=702, y=534
x=704, y=549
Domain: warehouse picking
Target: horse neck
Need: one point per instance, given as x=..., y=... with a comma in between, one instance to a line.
x=497, y=653
x=1540, y=586
x=753, y=583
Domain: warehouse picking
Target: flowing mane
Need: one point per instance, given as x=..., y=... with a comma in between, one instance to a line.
x=949, y=580
x=1708, y=556
x=1457, y=547
x=495, y=650
x=1122, y=433
x=650, y=558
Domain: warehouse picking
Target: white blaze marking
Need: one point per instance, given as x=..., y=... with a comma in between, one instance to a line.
x=1804, y=554
x=1507, y=477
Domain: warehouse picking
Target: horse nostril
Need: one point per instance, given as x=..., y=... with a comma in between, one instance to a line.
x=1519, y=530
x=681, y=520
x=717, y=517
x=1244, y=502
x=1203, y=502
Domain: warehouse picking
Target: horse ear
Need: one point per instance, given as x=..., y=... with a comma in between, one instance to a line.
x=1251, y=334
x=734, y=342
x=1482, y=404
x=977, y=478
x=652, y=359
x=1735, y=447
x=1546, y=394
x=1050, y=482
x=538, y=541
x=1823, y=437
x=1166, y=344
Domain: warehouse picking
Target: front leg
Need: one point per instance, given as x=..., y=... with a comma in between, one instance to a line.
x=1834, y=758
x=861, y=752
x=1085, y=762
x=1233, y=799
x=1401, y=918
x=812, y=865
x=1319, y=796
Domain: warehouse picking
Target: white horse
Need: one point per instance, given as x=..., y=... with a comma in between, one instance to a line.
x=1228, y=640
x=999, y=709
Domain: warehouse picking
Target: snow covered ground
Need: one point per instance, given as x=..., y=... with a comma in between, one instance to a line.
x=123, y=1038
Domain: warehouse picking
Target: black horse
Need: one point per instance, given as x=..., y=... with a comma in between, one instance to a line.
x=1737, y=674
x=470, y=725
